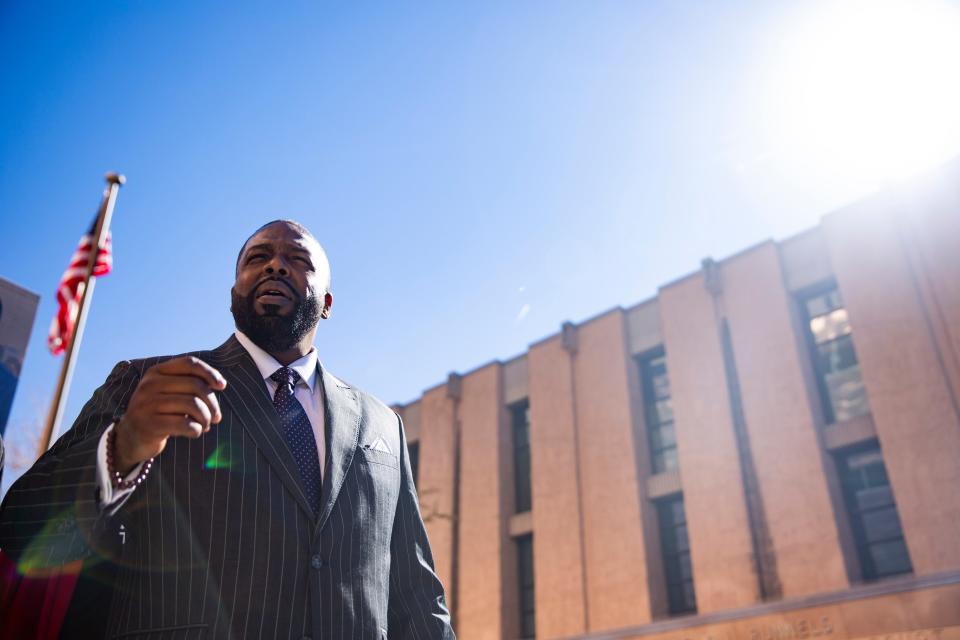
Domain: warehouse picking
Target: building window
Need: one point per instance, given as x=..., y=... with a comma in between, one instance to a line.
x=528, y=627
x=873, y=513
x=413, y=448
x=834, y=358
x=676, y=555
x=658, y=410
x=520, y=426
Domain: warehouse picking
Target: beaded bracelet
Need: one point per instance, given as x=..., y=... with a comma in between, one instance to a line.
x=115, y=477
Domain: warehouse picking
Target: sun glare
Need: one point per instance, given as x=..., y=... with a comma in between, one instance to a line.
x=866, y=92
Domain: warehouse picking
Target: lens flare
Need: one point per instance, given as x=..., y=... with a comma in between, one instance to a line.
x=54, y=550
x=864, y=92
x=221, y=458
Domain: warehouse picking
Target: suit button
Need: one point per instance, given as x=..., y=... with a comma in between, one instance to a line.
x=316, y=561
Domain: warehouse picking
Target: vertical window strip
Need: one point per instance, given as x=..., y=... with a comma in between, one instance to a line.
x=675, y=550
x=526, y=587
x=658, y=411
x=873, y=513
x=520, y=427
x=829, y=336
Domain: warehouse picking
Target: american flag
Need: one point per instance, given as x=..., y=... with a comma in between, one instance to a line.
x=71, y=288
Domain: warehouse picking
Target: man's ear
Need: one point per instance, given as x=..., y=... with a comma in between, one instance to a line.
x=327, y=303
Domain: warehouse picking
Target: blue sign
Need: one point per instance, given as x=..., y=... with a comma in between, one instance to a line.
x=18, y=308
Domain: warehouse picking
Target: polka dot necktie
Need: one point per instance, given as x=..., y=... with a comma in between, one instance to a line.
x=298, y=433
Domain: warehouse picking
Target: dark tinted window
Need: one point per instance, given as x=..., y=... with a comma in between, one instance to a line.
x=520, y=423
x=528, y=627
x=873, y=513
x=676, y=555
x=658, y=411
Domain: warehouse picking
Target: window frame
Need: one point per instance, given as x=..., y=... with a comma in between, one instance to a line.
x=868, y=569
x=802, y=297
x=658, y=462
x=672, y=559
x=526, y=585
x=522, y=479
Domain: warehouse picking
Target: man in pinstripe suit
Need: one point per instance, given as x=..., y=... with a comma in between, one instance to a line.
x=239, y=492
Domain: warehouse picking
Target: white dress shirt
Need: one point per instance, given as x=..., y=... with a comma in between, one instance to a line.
x=308, y=391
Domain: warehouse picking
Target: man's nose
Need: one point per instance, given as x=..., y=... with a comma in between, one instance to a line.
x=277, y=265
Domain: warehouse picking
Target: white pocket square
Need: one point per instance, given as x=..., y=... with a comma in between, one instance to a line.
x=380, y=445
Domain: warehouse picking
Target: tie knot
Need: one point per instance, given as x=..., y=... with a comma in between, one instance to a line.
x=285, y=376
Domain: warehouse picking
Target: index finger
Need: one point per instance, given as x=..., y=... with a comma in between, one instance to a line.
x=193, y=366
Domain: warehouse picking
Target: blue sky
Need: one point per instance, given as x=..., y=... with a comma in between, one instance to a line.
x=478, y=174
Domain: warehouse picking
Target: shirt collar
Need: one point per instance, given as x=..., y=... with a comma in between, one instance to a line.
x=306, y=366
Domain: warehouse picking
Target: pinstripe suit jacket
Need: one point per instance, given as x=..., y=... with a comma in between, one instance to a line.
x=220, y=541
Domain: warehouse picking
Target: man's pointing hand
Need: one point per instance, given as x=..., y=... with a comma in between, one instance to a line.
x=174, y=398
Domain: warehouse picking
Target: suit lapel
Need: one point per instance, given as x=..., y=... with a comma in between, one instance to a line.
x=246, y=394
x=342, y=430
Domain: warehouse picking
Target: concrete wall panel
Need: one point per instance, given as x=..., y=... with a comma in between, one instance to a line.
x=558, y=568
x=617, y=592
x=515, y=378
x=436, y=482
x=482, y=510
x=643, y=327
x=411, y=420
x=717, y=523
x=932, y=229
x=781, y=426
x=805, y=260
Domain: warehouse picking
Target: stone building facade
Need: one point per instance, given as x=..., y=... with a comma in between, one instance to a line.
x=769, y=449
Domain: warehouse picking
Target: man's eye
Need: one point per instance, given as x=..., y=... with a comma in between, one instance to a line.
x=302, y=259
x=256, y=256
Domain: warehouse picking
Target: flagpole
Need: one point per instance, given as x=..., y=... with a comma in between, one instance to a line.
x=52, y=427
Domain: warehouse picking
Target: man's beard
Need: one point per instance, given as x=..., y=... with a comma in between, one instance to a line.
x=273, y=332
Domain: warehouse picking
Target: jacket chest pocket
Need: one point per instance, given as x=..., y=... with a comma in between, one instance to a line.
x=375, y=456
x=375, y=484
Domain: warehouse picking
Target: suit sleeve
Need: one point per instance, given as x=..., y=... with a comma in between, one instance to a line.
x=51, y=516
x=417, y=607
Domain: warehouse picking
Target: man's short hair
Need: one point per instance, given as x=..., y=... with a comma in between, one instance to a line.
x=296, y=225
